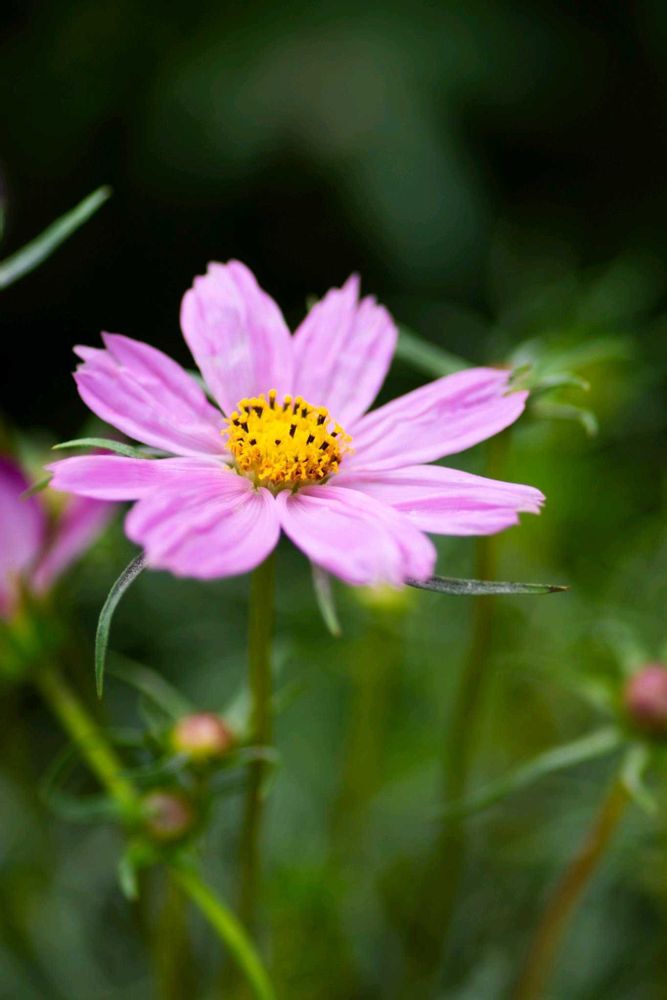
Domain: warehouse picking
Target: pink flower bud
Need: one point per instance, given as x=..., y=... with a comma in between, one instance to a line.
x=646, y=699
x=202, y=736
x=169, y=814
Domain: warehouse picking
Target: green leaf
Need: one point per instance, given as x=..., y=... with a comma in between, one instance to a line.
x=479, y=588
x=597, y=744
x=548, y=410
x=633, y=771
x=37, y=487
x=427, y=357
x=325, y=600
x=128, y=576
x=152, y=686
x=32, y=254
x=130, y=451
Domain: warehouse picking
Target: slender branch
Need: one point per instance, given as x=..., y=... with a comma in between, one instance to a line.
x=229, y=930
x=105, y=764
x=260, y=630
x=87, y=736
x=567, y=895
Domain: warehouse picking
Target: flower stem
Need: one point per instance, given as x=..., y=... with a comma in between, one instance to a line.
x=260, y=630
x=105, y=764
x=567, y=894
x=87, y=736
x=228, y=929
x=433, y=914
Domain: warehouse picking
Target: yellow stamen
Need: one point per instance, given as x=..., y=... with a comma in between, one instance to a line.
x=285, y=445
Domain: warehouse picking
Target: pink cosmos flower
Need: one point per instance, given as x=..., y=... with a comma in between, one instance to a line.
x=32, y=554
x=290, y=445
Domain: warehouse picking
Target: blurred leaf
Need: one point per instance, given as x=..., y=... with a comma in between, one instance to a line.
x=88, y=809
x=129, y=574
x=633, y=771
x=32, y=254
x=427, y=357
x=130, y=451
x=597, y=744
x=37, y=487
x=549, y=410
x=153, y=686
x=325, y=600
x=478, y=588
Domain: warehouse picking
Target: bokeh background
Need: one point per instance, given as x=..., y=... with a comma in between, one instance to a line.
x=496, y=172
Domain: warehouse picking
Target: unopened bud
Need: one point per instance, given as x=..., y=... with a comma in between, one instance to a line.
x=169, y=815
x=646, y=699
x=202, y=736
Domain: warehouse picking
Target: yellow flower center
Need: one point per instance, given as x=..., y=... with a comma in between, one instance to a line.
x=285, y=445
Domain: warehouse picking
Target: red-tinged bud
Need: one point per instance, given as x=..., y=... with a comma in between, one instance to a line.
x=202, y=736
x=646, y=699
x=169, y=814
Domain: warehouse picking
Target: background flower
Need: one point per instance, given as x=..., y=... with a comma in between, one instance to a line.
x=35, y=549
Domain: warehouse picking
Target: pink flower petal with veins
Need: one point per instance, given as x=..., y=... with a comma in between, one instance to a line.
x=237, y=335
x=343, y=350
x=149, y=397
x=446, y=501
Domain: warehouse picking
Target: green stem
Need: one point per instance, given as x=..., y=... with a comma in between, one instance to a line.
x=567, y=895
x=104, y=763
x=229, y=930
x=260, y=630
x=87, y=736
x=434, y=909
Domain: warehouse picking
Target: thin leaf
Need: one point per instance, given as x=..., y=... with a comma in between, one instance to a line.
x=597, y=744
x=633, y=771
x=128, y=450
x=32, y=254
x=129, y=574
x=548, y=410
x=153, y=686
x=37, y=487
x=479, y=588
x=325, y=600
x=427, y=357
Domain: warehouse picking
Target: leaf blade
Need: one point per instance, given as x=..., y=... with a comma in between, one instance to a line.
x=579, y=751
x=126, y=578
x=427, y=357
x=480, y=588
x=128, y=450
x=37, y=250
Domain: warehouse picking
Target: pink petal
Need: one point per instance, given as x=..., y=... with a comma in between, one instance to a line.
x=113, y=477
x=206, y=524
x=149, y=397
x=446, y=501
x=78, y=527
x=355, y=537
x=237, y=335
x=22, y=531
x=441, y=418
x=342, y=351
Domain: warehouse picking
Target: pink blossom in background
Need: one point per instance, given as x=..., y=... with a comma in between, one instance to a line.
x=291, y=445
x=34, y=553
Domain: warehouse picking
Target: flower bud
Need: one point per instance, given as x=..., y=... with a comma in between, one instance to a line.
x=646, y=699
x=169, y=814
x=202, y=736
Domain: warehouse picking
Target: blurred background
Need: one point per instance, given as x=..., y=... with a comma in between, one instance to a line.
x=496, y=173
